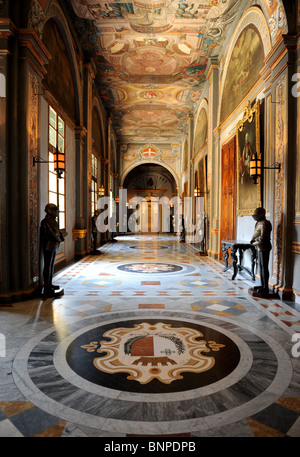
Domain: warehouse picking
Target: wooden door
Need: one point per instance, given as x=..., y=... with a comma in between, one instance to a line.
x=228, y=193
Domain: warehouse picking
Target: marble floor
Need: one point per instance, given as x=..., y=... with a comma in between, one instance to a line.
x=150, y=339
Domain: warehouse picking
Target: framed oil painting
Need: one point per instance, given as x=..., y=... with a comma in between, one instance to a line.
x=248, y=142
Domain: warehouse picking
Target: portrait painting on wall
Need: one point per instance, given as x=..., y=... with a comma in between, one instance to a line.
x=248, y=143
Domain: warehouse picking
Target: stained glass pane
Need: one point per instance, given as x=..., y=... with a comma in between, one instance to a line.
x=52, y=117
x=52, y=182
x=62, y=220
x=61, y=186
x=61, y=143
x=53, y=198
x=51, y=162
x=61, y=202
x=52, y=136
x=61, y=127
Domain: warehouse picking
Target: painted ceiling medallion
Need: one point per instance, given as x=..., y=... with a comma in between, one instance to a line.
x=154, y=351
x=149, y=152
x=150, y=94
x=150, y=61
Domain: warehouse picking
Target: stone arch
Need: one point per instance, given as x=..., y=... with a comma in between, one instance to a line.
x=134, y=165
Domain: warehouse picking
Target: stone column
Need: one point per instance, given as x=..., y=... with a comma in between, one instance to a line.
x=80, y=229
x=190, y=157
x=89, y=77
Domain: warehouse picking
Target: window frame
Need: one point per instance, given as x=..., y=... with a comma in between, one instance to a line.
x=94, y=182
x=56, y=185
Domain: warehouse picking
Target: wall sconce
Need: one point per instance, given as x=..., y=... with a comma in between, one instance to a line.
x=101, y=191
x=256, y=167
x=197, y=192
x=38, y=159
x=59, y=162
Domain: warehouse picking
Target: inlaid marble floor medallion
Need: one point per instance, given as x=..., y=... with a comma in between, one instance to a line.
x=151, y=268
x=139, y=372
x=160, y=356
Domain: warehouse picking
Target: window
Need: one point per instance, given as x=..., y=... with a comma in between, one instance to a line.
x=57, y=185
x=94, y=186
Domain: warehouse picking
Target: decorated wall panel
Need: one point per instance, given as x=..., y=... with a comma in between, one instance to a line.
x=201, y=130
x=246, y=61
x=279, y=192
x=59, y=78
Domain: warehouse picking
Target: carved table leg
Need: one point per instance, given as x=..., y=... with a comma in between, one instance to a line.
x=241, y=256
x=234, y=264
x=226, y=255
x=253, y=261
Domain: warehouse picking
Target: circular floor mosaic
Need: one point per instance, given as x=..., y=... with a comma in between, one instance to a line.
x=205, y=371
x=160, y=356
x=150, y=268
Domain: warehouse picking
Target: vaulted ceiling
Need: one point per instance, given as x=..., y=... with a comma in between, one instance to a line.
x=152, y=57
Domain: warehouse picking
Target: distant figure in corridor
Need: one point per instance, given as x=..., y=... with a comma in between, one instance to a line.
x=51, y=237
x=261, y=239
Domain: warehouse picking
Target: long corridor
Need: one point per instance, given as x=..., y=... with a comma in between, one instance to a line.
x=150, y=339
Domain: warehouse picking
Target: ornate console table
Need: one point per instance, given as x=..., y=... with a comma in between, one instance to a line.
x=237, y=249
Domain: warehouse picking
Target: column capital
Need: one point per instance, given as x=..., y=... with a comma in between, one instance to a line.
x=80, y=133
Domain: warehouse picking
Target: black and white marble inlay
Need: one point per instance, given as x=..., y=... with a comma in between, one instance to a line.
x=42, y=373
x=150, y=268
x=81, y=359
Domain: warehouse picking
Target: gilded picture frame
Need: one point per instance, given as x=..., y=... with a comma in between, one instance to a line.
x=248, y=142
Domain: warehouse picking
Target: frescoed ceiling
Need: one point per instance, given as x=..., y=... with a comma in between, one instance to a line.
x=152, y=57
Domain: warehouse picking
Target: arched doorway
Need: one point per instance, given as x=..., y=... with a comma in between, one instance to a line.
x=151, y=184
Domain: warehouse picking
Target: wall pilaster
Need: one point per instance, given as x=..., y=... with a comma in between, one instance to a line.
x=284, y=151
x=213, y=161
x=23, y=59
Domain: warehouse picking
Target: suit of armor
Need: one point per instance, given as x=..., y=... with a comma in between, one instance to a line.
x=51, y=237
x=261, y=239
